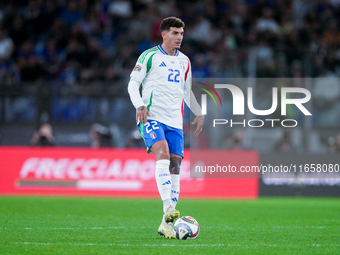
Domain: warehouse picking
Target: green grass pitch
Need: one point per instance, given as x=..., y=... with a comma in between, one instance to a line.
x=50, y=225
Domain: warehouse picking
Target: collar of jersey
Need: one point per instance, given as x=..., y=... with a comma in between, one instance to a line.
x=164, y=52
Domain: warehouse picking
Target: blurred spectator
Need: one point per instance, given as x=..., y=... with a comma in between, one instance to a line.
x=156, y=36
x=26, y=50
x=141, y=26
x=286, y=26
x=200, y=67
x=266, y=22
x=43, y=136
x=229, y=39
x=91, y=52
x=235, y=141
x=326, y=99
x=331, y=34
x=203, y=32
x=6, y=46
x=90, y=24
x=77, y=34
x=50, y=11
x=326, y=90
x=60, y=32
x=111, y=74
x=9, y=73
x=51, y=56
x=31, y=69
x=265, y=60
x=101, y=64
x=134, y=140
x=120, y=9
x=68, y=73
x=18, y=31
x=297, y=70
x=32, y=14
x=334, y=144
x=125, y=60
x=101, y=136
x=8, y=69
x=75, y=52
x=72, y=14
x=285, y=143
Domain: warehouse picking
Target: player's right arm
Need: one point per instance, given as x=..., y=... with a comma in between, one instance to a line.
x=137, y=101
x=136, y=78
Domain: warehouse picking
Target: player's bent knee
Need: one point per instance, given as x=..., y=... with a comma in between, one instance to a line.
x=175, y=165
x=163, y=154
x=161, y=150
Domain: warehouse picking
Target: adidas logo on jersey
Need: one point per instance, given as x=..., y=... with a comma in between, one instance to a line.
x=162, y=65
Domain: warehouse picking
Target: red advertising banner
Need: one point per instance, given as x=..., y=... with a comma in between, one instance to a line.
x=107, y=173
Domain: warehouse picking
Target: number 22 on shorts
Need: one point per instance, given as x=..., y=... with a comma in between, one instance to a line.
x=153, y=126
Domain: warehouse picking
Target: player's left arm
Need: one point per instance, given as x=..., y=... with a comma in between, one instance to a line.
x=192, y=103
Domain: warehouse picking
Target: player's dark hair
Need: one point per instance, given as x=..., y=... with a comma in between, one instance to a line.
x=171, y=22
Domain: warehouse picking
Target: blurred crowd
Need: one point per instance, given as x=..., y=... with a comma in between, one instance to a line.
x=82, y=40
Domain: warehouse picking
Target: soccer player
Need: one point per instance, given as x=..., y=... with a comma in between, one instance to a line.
x=165, y=73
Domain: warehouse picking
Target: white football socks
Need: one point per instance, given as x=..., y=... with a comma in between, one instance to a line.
x=163, y=181
x=174, y=189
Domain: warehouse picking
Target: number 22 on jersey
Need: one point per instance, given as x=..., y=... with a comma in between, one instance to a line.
x=173, y=75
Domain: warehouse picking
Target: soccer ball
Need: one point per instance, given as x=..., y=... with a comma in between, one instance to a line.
x=186, y=228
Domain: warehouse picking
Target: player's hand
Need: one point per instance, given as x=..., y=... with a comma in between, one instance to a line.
x=141, y=114
x=199, y=120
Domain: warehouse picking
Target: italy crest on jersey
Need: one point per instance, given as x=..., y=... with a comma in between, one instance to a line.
x=182, y=64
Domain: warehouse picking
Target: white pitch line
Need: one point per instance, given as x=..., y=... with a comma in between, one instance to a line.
x=320, y=227
x=168, y=245
x=122, y=227
x=67, y=228
x=121, y=244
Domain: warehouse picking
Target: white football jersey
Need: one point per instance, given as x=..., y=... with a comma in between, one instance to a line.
x=166, y=84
